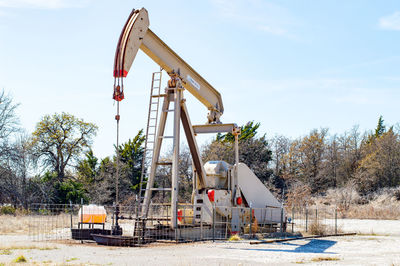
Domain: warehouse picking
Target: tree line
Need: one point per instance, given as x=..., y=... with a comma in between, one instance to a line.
x=55, y=163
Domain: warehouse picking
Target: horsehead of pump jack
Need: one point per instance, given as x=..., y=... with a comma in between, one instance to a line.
x=216, y=184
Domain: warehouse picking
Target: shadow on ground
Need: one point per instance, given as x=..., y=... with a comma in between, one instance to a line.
x=314, y=246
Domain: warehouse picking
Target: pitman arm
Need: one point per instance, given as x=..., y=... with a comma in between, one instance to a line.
x=136, y=34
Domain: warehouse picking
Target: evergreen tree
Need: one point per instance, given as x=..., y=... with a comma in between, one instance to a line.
x=380, y=128
x=131, y=156
x=248, y=131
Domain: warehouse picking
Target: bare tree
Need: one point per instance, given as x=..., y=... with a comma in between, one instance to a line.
x=305, y=158
x=9, y=125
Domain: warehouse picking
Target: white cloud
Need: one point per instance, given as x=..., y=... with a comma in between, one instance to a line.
x=259, y=15
x=390, y=22
x=43, y=4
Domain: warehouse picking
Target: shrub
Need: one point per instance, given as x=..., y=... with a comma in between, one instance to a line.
x=10, y=210
x=20, y=258
x=317, y=228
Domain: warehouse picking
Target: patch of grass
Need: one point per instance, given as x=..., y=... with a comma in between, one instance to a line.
x=71, y=259
x=234, y=238
x=7, y=210
x=319, y=259
x=371, y=234
x=47, y=248
x=20, y=259
x=5, y=252
x=28, y=247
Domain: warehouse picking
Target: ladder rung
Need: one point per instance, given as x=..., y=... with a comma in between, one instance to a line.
x=164, y=163
x=168, y=110
x=166, y=137
x=160, y=95
x=160, y=189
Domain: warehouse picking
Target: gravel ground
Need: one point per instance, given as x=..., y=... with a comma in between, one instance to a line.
x=366, y=249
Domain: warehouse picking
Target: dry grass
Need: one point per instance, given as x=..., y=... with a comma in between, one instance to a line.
x=319, y=259
x=373, y=211
x=317, y=228
x=5, y=252
x=382, y=205
x=10, y=224
x=22, y=224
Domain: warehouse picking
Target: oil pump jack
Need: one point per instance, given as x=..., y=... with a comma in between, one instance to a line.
x=217, y=185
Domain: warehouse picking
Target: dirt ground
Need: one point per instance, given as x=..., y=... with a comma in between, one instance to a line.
x=370, y=247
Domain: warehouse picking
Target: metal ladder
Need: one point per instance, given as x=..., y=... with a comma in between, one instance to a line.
x=151, y=131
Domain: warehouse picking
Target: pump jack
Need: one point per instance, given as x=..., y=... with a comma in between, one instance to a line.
x=217, y=184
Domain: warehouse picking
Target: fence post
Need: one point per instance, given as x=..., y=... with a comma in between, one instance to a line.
x=201, y=222
x=292, y=220
x=81, y=224
x=70, y=207
x=176, y=222
x=213, y=221
x=251, y=218
x=316, y=215
x=336, y=220
x=306, y=219
x=281, y=227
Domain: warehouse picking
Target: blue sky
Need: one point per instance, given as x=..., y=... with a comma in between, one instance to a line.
x=291, y=65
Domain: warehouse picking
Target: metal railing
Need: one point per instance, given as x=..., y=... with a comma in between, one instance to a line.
x=194, y=223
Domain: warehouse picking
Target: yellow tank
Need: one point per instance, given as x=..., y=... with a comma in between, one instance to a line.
x=92, y=214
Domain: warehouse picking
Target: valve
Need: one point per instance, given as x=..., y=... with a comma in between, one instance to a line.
x=118, y=94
